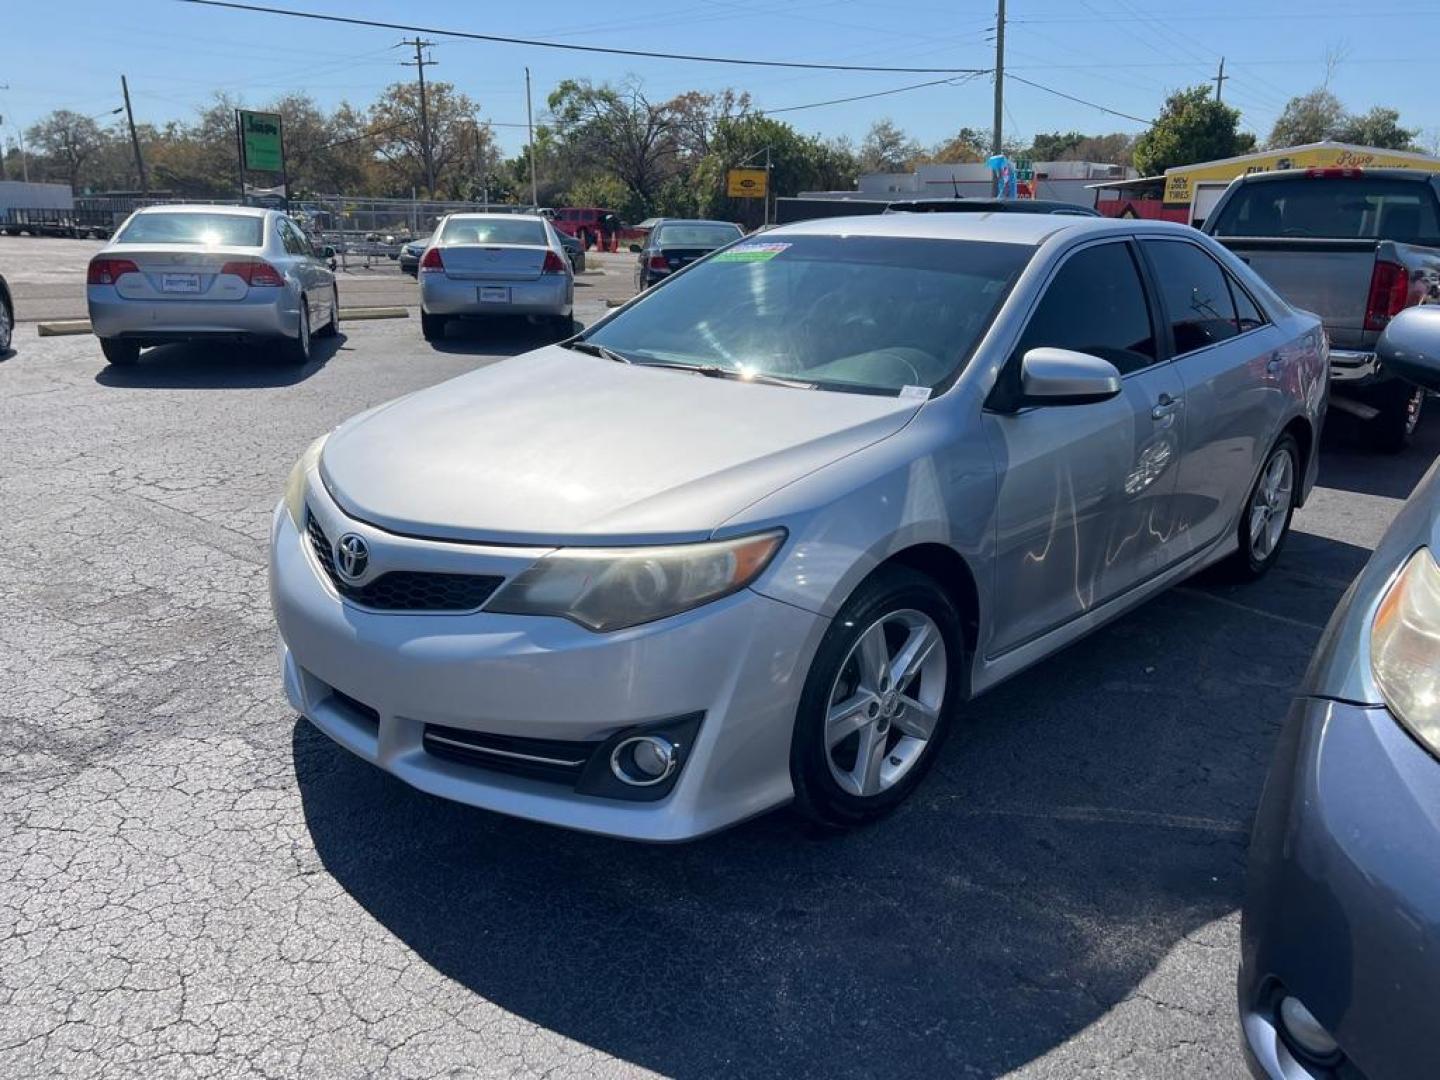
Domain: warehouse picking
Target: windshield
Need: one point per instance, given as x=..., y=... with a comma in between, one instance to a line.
x=696, y=236
x=873, y=313
x=494, y=231
x=219, y=230
x=1367, y=208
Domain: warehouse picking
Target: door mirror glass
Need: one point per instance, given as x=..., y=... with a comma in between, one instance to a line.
x=1051, y=376
x=327, y=252
x=1410, y=346
x=635, y=249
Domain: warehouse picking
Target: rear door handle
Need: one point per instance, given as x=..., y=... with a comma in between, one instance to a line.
x=1164, y=407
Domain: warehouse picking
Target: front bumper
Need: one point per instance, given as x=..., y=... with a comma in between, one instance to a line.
x=550, y=294
x=740, y=661
x=267, y=313
x=1343, y=901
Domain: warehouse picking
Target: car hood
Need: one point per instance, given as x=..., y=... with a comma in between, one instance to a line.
x=556, y=447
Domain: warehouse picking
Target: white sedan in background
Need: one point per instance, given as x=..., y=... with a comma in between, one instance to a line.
x=204, y=273
x=483, y=265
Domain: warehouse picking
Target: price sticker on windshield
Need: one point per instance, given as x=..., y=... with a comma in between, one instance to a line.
x=751, y=253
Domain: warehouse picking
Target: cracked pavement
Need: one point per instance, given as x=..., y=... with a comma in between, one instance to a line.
x=195, y=883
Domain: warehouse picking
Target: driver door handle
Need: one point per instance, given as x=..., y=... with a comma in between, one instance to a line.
x=1164, y=407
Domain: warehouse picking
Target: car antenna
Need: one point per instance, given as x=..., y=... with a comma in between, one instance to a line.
x=954, y=186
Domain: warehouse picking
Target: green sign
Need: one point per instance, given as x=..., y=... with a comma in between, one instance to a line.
x=261, y=142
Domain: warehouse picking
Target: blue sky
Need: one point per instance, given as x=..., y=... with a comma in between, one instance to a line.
x=1118, y=53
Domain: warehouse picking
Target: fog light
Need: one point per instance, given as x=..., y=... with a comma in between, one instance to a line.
x=643, y=760
x=1305, y=1031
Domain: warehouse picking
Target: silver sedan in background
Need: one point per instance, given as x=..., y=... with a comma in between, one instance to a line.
x=761, y=533
x=483, y=265
x=204, y=273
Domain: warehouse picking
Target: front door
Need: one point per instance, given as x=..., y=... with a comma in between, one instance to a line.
x=1086, y=499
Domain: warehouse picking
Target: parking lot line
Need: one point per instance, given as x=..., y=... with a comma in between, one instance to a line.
x=1201, y=594
x=1100, y=815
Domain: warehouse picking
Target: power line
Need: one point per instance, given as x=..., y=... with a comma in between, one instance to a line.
x=865, y=97
x=538, y=44
x=420, y=63
x=1080, y=101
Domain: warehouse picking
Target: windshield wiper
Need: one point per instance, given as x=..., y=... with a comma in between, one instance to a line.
x=596, y=349
x=716, y=371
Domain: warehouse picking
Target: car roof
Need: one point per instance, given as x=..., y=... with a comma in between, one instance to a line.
x=472, y=215
x=1340, y=173
x=207, y=208
x=990, y=226
x=969, y=205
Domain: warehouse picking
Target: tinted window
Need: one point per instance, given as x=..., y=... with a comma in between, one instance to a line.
x=1246, y=310
x=696, y=236
x=1095, y=304
x=865, y=312
x=1197, y=298
x=462, y=230
x=220, y=230
x=290, y=236
x=1367, y=208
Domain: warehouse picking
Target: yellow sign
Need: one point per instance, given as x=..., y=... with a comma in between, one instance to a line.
x=1180, y=182
x=745, y=183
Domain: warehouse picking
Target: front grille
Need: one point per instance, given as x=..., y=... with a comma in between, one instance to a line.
x=405, y=590
x=540, y=759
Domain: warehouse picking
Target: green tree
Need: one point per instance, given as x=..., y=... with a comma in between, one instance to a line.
x=886, y=148
x=1307, y=118
x=1380, y=127
x=616, y=130
x=1191, y=127
x=460, y=145
x=65, y=141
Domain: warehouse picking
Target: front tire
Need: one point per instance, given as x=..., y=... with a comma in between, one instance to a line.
x=1400, y=405
x=1265, y=521
x=432, y=327
x=120, y=353
x=878, y=699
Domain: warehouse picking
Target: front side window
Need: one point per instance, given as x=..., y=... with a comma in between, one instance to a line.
x=1196, y=295
x=865, y=313
x=1095, y=304
x=212, y=230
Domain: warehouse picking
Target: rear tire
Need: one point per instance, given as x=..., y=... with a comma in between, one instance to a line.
x=120, y=353
x=1265, y=519
x=432, y=327
x=845, y=702
x=7, y=324
x=561, y=326
x=297, y=350
x=1400, y=406
x=332, y=328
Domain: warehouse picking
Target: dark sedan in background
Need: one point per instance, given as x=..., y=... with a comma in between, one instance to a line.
x=1340, y=932
x=410, y=256
x=673, y=243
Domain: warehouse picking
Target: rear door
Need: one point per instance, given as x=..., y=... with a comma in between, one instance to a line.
x=1085, y=502
x=1231, y=360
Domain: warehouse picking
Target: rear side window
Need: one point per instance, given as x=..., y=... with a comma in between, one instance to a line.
x=1096, y=304
x=1246, y=310
x=1196, y=295
x=217, y=230
x=494, y=231
x=1363, y=208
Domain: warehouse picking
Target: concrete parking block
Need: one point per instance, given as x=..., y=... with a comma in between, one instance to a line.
x=63, y=328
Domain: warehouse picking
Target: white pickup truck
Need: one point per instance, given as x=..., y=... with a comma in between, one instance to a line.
x=1355, y=246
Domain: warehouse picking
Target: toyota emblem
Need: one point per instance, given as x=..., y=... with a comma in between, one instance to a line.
x=352, y=555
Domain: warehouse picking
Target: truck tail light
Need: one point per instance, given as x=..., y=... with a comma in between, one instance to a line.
x=103, y=271
x=1389, y=294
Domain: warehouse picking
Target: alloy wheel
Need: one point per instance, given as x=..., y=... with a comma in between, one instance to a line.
x=1270, y=508
x=885, y=703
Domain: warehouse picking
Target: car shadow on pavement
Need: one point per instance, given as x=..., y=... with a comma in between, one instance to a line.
x=210, y=366
x=1084, y=823
x=496, y=336
x=1347, y=463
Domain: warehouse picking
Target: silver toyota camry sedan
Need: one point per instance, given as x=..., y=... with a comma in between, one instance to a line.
x=761, y=533
x=210, y=273
x=482, y=265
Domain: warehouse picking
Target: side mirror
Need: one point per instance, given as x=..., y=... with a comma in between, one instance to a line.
x=1410, y=346
x=1062, y=377
x=327, y=252
x=635, y=249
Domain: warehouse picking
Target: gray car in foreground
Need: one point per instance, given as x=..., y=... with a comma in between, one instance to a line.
x=1340, y=939
x=759, y=534
x=210, y=273
x=478, y=266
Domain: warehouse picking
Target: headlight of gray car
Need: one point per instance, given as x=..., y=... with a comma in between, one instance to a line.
x=612, y=588
x=1405, y=648
x=295, y=482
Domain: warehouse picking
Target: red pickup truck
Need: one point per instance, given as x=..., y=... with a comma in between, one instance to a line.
x=588, y=224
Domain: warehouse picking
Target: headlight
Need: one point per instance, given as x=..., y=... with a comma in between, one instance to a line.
x=295, y=483
x=609, y=589
x=1405, y=648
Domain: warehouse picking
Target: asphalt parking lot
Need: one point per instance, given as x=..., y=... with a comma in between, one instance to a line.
x=194, y=882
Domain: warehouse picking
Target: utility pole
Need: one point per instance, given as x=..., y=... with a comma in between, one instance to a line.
x=1219, y=80
x=997, y=132
x=530, y=124
x=134, y=138
x=420, y=63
